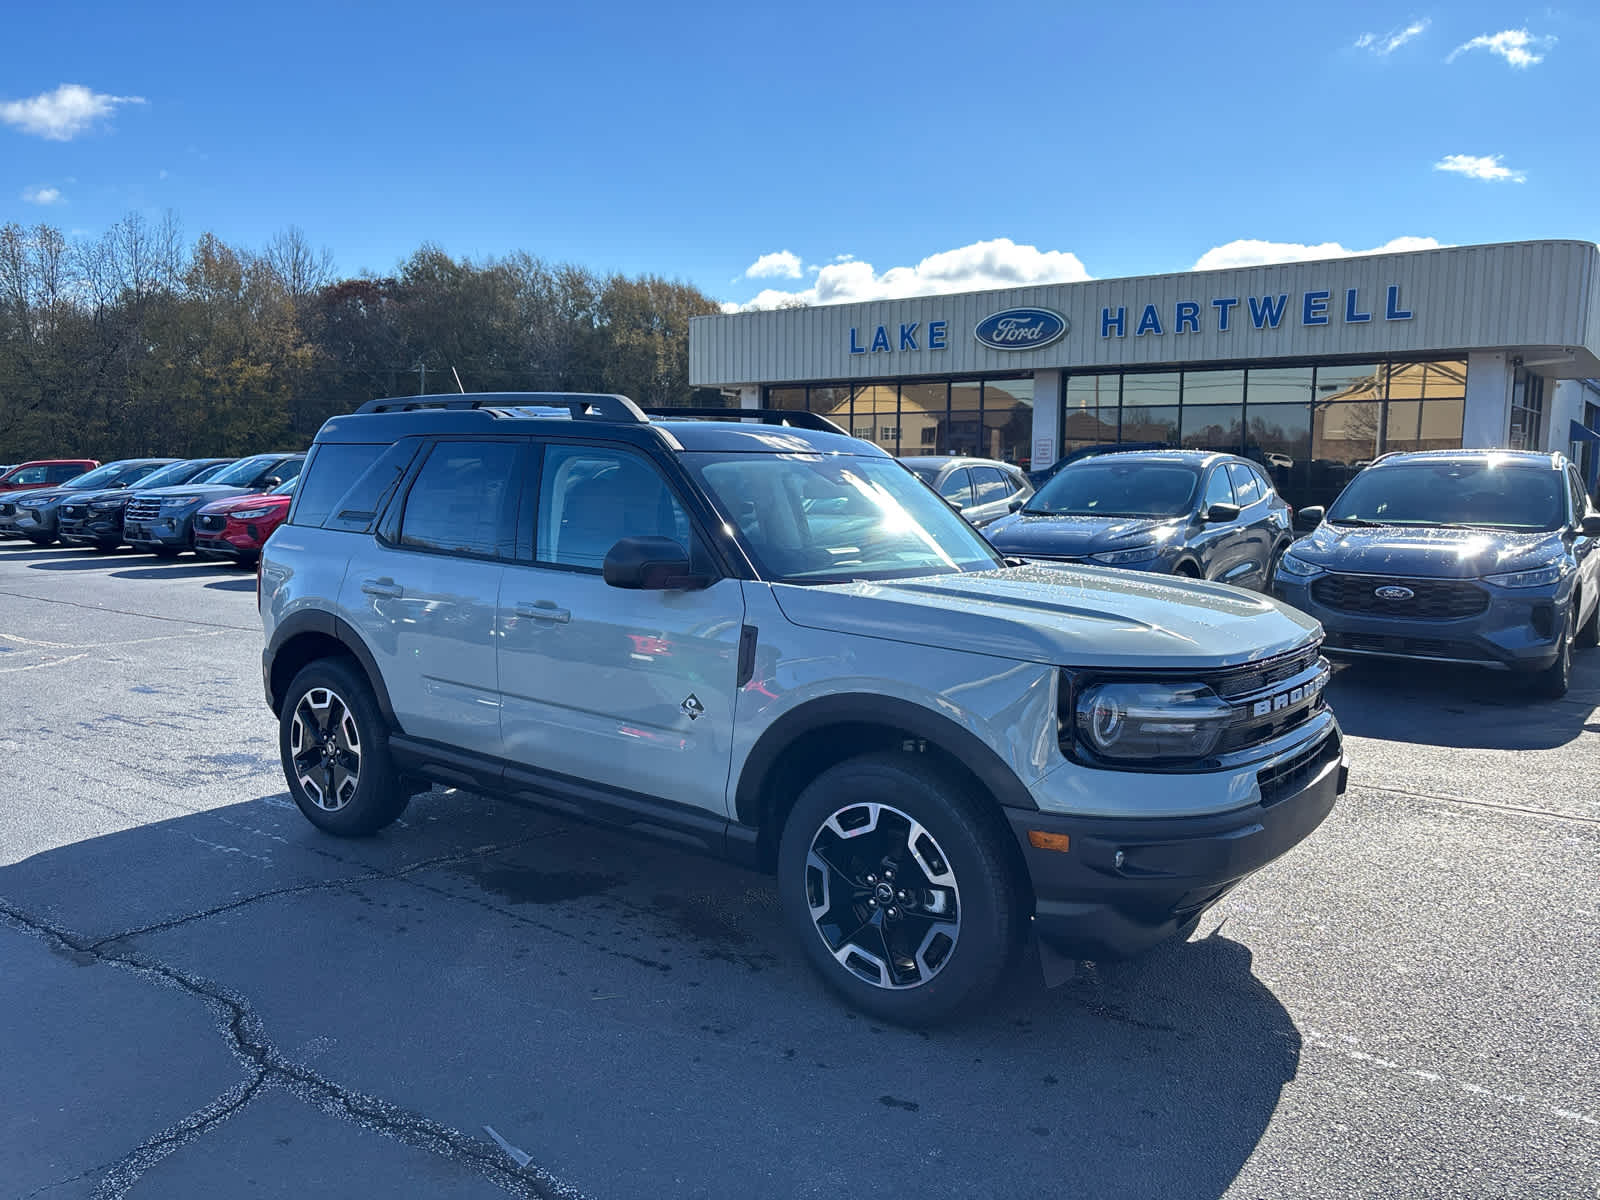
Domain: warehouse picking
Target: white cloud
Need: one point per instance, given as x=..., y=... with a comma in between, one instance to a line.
x=62, y=114
x=1386, y=44
x=1252, y=252
x=780, y=264
x=999, y=263
x=42, y=195
x=1516, y=46
x=1480, y=166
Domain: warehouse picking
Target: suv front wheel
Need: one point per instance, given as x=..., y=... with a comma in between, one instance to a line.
x=898, y=886
x=335, y=751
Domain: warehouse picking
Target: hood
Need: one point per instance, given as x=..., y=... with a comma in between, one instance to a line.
x=1428, y=553
x=246, y=500
x=38, y=495
x=1067, y=616
x=206, y=491
x=1074, y=535
x=89, y=497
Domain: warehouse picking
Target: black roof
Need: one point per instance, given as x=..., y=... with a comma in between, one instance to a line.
x=585, y=415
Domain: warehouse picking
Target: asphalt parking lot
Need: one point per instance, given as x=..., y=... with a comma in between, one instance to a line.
x=202, y=996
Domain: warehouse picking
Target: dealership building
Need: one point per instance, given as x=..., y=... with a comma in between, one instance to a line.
x=1311, y=368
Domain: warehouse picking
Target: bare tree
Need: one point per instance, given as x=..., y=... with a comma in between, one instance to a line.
x=301, y=269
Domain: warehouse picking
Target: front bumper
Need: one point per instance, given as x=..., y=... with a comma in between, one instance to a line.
x=29, y=525
x=1519, y=630
x=93, y=529
x=175, y=532
x=1127, y=883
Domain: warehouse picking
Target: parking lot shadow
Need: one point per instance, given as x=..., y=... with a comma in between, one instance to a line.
x=1461, y=707
x=617, y=985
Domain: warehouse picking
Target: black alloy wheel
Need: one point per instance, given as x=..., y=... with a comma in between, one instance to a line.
x=900, y=887
x=335, y=751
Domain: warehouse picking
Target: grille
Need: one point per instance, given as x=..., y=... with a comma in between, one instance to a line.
x=1431, y=599
x=142, y=510
x=1255, y=677
x=8, y=510
x=73, y=510
x=1285, y=778
x=1416, y=647
x=211, y=522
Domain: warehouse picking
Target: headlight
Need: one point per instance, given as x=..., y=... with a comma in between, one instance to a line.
x=1121, y=558
x=107, y=505
x=248, y=514
x=1290, y=565
x=1143, y=722
x=1538, y=577
x=173, y=503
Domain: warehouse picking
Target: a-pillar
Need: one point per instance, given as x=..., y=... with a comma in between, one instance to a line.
x=1046, y=419
x=1487, y=423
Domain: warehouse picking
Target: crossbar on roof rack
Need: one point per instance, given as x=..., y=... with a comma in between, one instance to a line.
x=581, y=406
x=767, y=416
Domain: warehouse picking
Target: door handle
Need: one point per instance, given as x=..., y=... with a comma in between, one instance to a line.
x=384, y=587
x=544, y=610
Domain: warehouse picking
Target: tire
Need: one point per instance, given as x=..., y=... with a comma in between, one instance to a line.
x=1553, y=682
x=165, y=552
x=1589, y=633
x=862, y=816
x=333, y=692
x=42, y=541
x=106, y=547
x=1186, y=570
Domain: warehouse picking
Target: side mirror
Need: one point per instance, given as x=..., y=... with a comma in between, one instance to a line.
x=650, y=564
x=1589, y=526
x=1015, y=505
x=1221, y=514
x=1307, y=519
x=267, y=484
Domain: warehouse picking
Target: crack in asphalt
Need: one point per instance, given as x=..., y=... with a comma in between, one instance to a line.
x=267, y=1067
x=1498, y=807
x=127, y=612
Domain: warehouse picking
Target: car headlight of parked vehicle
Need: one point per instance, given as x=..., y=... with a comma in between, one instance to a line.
x=108, y=505
x=1149, y=721
x=1289, y=564
x=1538, y=577
x=1122, y=558
x=249, y=514
x=178, y=503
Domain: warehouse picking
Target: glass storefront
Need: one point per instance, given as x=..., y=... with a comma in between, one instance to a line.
x=981, y=418
x=1312, y=427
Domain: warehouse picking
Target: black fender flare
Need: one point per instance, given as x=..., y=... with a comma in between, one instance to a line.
x=852, y=708
x=341, y=631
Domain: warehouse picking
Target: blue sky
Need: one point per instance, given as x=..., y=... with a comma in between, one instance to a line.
x=871, y=149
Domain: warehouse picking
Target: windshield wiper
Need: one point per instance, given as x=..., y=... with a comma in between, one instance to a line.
x=1357, y=521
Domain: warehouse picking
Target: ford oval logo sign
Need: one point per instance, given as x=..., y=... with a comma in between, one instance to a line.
x=1021, y=329
x=1394, y=593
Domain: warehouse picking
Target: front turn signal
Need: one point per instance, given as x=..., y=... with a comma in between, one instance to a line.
x=1040, y=840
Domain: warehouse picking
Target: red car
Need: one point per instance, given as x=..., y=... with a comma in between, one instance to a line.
x=45, y=472
x=236, y=528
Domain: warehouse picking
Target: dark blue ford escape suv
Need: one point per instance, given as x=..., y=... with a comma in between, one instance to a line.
x=1485, y=557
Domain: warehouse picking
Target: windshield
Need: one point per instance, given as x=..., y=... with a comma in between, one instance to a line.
x=115, y=474
x=1485, y=494
x=815, y=519
x=244, y=471
x=1095, y=487
x=178, y=472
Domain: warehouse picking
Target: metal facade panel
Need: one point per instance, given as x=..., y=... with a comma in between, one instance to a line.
x=1511, y=296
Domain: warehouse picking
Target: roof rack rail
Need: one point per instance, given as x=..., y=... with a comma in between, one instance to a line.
x=767, y=416
x=581, y=406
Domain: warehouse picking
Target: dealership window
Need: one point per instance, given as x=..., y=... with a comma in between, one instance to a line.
x=990, y=417
x=1310, y=427
x=1527, y=411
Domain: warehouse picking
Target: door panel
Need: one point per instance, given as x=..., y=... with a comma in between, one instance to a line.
x=630, y=689
x=1257, y=531
x=1217, y=544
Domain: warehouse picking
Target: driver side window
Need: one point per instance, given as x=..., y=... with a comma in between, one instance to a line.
x=591, y=497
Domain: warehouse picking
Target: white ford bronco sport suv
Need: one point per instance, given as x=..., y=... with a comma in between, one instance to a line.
x=767, y=640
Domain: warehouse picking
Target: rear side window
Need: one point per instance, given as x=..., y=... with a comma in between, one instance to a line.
x=327, y=477
x=63, y=473
x=957, y=487
x=1247, y=485
x=464, y=500
x=1580, y=500
x=991, y=484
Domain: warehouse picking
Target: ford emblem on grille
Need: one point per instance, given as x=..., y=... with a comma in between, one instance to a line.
x=1392, y=592
x=1021, y=329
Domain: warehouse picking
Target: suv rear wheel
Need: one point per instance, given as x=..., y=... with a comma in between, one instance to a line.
x=335, y=751
x=898, y=886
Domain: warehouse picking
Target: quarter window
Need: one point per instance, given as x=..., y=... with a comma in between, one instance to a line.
x=463, y=500
x=591, y=497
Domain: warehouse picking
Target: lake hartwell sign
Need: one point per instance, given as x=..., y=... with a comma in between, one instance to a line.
x=1263, y=312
